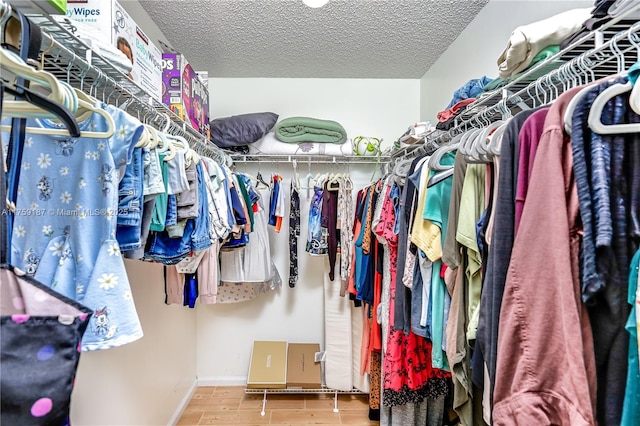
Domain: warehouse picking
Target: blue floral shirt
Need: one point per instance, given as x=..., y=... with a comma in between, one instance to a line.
x=65, y=222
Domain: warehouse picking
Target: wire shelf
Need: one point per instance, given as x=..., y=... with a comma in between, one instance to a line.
x=609, y=50
x=303, y=391
x=72, y=60
x=309, y=158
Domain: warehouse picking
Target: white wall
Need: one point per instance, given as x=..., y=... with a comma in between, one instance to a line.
x=370, y=107
x=476, y=50
x=144, y=382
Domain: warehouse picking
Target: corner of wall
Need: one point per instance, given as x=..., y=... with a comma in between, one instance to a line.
x=183, y=404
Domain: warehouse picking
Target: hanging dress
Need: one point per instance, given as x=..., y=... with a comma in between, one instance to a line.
x=408, y=376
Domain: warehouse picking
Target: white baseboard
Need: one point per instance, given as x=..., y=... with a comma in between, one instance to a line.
x=183, y=404
x=222, y=381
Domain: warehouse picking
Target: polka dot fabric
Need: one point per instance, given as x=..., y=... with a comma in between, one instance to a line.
x=40, y=334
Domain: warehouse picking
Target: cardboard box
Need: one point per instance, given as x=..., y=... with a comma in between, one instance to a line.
x=113, y=23
x=199, y=109
x=302, y=370
x=183, y=91
x=268, y=366
x=204, y=78
x=176, y=84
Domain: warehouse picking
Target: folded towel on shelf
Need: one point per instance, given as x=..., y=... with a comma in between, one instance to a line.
x=306, y=129
x=527, y=41
x=270, y=145
x=544, y=54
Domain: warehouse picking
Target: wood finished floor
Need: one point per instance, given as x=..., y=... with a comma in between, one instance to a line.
x=229, y=405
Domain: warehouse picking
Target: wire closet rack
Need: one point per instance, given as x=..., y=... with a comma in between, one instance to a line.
x=72, y=60
x=606, y=51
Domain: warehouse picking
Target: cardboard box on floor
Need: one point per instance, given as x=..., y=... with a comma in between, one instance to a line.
x=302, y=370
x=268, y=365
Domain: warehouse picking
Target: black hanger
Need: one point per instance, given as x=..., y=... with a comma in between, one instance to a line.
x=260, y=179
x=47, y=104
x=437, y=178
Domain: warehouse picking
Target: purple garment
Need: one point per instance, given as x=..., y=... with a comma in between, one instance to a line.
x=329, y=221
x=528, y=144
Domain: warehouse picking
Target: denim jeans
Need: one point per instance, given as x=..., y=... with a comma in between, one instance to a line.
x=130, y=203
x=172, y=211
x=200, y=239
x=153, y=183
x=163, y=248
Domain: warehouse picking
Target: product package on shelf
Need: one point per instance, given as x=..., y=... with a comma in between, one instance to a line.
x=183, y=91
x=115, y=26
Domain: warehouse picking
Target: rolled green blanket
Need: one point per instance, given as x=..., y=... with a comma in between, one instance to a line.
x=306, y=129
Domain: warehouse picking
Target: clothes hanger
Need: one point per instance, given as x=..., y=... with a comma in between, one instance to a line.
x=465, y=143
x=166, y=147
x=296, y=178
x=595, y=112
x=480, y=148
x=571, y=106
x=145, y=137
x=436, y=157
x=434, y=162
x=46, y=104
x=182, y=144
x=155, y=134
x=467, y=147
x=308, y=178
x=634, y=97
x=66, y=131
x=60, y=90
x=401, y=168
x=12, y=62
x=260, y=180
x=496, y=138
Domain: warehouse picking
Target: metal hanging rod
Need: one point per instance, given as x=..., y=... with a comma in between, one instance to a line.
x=311, y=159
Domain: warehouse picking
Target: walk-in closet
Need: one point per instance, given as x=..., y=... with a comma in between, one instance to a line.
x=404, y=213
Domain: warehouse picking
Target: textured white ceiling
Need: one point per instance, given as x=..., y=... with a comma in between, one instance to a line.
x=285, y=38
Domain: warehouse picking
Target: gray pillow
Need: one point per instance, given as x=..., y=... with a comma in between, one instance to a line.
x=241, y=130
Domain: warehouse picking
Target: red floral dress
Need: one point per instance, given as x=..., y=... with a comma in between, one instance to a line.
x=408, y=375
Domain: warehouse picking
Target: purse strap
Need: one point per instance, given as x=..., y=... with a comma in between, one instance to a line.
x=4, y=213
x=30, y=40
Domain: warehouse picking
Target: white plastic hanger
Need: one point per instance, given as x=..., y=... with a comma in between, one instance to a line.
x=63, y=131
x=467, y=140
x=480, y=149
x=61, y=92
x=634, y=98
x=11, y=62
x=595, y=113
x=436, y=157
x=496, y=138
